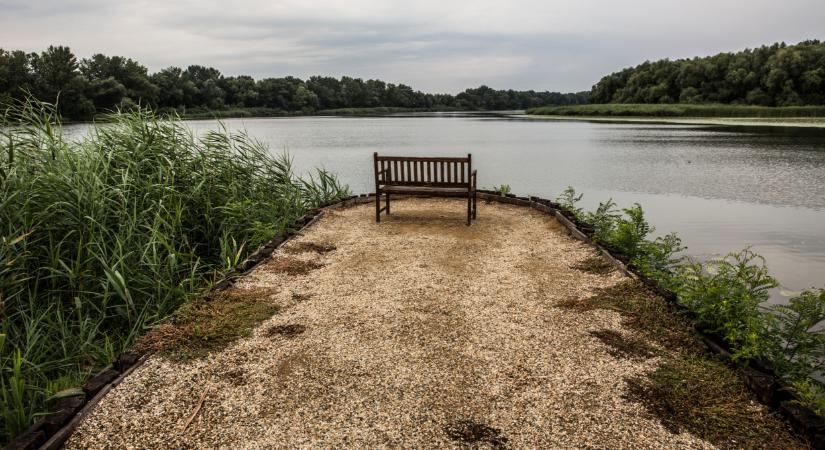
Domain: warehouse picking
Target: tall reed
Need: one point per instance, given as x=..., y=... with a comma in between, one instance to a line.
x=103, y=236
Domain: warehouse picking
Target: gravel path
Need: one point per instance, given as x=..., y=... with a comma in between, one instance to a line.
x=416, y=332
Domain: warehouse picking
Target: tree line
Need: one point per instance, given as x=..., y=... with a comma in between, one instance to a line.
x=85, y=87
x=775, y=75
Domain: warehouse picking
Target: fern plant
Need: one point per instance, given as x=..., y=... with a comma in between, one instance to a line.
x=726, y=295
x=568, y=200
x=603, y=220
x=798, y=345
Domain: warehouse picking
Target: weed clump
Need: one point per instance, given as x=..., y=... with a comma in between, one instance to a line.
x=702, y=396
x=209, y=324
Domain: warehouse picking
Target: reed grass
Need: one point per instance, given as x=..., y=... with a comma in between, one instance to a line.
x=102, y=237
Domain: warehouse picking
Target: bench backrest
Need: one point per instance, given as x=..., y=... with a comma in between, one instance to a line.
x=422, y=171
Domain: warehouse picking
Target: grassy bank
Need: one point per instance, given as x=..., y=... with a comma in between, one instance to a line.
x=101, y=238
x=679, y=110
x=270, y=112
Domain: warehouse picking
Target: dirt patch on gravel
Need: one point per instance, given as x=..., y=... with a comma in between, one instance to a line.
x=308, y=247
x=469, y=432
x=421, y=332
x=291, y=265
x=288, y=331
x=597, y=265
x=623, y=345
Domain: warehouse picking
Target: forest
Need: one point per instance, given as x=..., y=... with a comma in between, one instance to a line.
x=85, y=87
x=775, y=75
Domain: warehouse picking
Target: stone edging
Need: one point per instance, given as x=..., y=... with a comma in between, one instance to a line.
x=55, y=428
x=52, y=431
x=758, y=376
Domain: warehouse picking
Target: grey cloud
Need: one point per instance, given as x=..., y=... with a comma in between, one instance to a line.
x=437, y=46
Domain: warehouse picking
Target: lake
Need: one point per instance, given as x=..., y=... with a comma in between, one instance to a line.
x=720, y=188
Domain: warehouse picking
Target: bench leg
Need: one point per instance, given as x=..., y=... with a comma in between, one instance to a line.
x=475, y=205
x=378, y=207
x=388, y=203
x=469, y=209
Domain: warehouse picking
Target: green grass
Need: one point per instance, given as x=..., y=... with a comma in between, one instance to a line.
x=679, y=110
x=201, y=113
x=377, y=111
x=104, y=237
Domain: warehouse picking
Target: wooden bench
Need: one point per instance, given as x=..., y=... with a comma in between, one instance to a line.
x=429, y=177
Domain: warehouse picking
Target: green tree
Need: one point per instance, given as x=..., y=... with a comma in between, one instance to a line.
x=105, y=73
x=57, y=80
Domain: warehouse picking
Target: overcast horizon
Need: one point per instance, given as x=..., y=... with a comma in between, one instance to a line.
x=432, y=46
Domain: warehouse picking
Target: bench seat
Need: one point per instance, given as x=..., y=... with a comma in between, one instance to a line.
x=425, y=190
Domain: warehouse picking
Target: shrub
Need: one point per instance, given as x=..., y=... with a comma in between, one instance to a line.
x=797, y=344
x=504, y=189
x=568, y=199
x=603, y=220
x=726, y=295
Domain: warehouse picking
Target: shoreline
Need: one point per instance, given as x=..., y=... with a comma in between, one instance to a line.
x=799, y=122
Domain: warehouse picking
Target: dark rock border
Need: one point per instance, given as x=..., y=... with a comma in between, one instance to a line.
x=52, y=431
x=757, y=375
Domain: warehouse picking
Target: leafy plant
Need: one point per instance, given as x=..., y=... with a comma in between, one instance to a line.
x=504, y=190
x=726, y=295
x=603, y=220
x=797, y=344
x=568, y=200
x=630, y=233
x=660, y=258
x=811, y=394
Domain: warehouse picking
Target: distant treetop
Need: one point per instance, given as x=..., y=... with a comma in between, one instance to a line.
x=776, y=75
x=103, y=83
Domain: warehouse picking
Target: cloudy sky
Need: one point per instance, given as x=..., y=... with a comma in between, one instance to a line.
x=435, y=46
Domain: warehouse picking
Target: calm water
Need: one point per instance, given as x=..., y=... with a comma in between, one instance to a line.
x=720, y=188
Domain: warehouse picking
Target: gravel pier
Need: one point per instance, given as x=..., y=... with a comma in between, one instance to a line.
x=416, y=332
